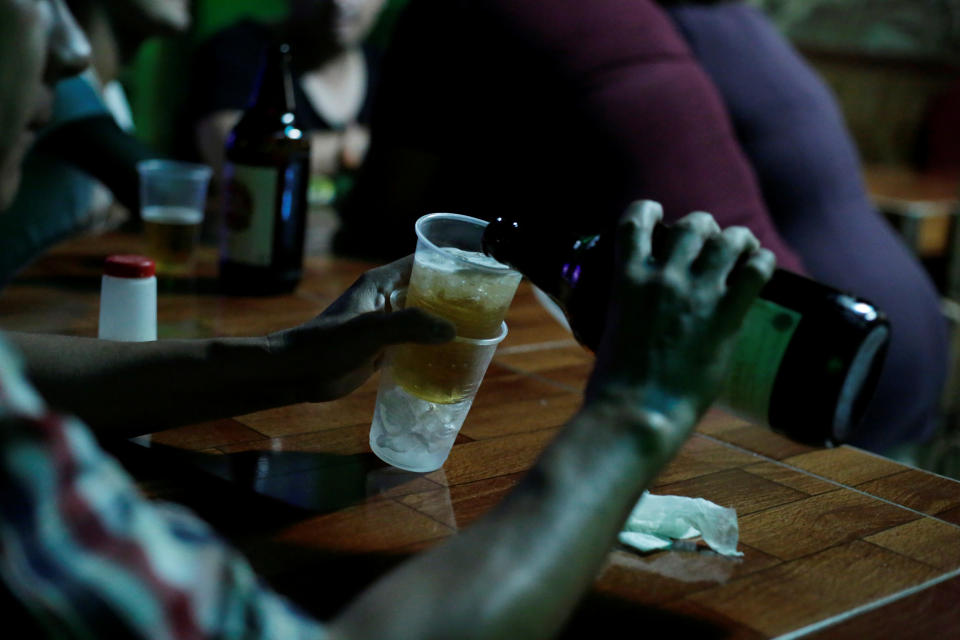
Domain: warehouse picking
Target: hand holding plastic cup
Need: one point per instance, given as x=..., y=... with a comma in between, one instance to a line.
x=426, y=390
x=173, y=196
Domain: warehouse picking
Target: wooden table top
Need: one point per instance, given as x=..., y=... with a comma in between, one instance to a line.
x=838, y=543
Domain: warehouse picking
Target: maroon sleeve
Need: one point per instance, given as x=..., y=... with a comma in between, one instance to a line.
x=643, y=89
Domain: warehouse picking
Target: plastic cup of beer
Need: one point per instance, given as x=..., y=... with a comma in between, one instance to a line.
x=453, y=278
x=435, y=384
x=424, y=396
x=173, y=195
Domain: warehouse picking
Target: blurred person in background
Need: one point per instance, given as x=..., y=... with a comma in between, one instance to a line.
x=808, y=168
x=80, y=176
x=565, y=110
x=335, y=74
x=85, y=555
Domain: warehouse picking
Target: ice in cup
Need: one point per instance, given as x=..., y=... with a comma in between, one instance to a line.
x=416, y=434
x=426, y=390
x=173, y=195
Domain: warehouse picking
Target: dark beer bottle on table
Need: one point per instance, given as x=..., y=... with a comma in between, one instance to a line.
x=807, y=358
x=265, y=179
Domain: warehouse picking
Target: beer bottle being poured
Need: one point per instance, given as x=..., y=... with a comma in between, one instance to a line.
x=265, y=180
x=807, y=358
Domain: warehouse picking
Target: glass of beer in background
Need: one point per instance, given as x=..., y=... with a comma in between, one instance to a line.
x=173, y=196
x=426, y=390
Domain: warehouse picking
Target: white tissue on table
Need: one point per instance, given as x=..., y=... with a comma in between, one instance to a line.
x=658, y=521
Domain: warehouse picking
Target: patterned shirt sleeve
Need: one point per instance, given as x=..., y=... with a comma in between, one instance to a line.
x=89, y=557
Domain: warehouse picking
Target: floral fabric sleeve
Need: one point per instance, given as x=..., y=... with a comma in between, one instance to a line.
x=89, y=557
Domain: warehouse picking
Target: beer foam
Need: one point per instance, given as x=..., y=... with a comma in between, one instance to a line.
x=166, y=214
x=443, y=264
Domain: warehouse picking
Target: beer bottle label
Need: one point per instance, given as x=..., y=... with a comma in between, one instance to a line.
x=766, y=332
x=249, y=202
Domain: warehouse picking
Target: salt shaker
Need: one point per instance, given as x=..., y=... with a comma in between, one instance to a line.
x=128, y=299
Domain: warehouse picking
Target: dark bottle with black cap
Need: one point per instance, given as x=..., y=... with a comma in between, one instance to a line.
x=807, y=358
x=265, y=181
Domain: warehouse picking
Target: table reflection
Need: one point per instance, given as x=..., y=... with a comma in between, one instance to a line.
x=319, y=482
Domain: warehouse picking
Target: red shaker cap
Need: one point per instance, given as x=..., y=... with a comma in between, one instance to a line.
x=129, y=266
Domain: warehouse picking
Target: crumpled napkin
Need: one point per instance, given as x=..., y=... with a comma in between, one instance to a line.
x=659, y=522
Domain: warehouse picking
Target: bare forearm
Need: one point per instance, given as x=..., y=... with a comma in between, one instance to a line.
x=211, y=136
x=517, y=572
x=128, y=388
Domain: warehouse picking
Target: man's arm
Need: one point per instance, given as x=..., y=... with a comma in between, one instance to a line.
x=130, y=388
x=517, y=572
